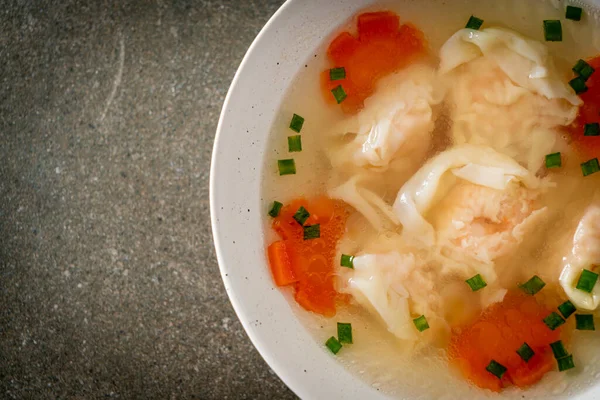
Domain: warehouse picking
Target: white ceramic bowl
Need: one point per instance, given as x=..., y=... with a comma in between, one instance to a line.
x=238, y=212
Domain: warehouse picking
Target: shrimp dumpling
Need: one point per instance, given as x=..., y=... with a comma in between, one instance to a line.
x=396, y=124
x=506, y=93
x=585, y=254
x=478, y=165
x=394, y=286
x=370, y=286
x=472, y=204
x=398, y=285
x=484, y=222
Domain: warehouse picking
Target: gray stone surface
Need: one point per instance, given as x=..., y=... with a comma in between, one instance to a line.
x=109, y=285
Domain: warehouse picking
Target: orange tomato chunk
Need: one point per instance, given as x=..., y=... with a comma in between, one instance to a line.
x=384, y=23
x=309, y=264
x=280, y=261
x=497, y=334
x=382, y=47
x=343, y=46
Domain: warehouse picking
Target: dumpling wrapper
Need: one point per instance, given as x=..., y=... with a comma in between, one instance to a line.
x=506, y=93
x=525, y=61
x=375, y=210
x=395, y=124
x=397, y=286
x=370, y=287
x=584, y=254
x=476, y=164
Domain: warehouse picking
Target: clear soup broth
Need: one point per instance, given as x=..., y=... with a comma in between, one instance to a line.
x=558, y=199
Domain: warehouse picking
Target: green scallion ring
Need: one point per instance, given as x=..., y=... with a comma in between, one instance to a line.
x=344, y=332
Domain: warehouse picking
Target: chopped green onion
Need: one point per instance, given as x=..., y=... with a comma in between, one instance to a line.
x=275, y=208
x=578, y=85
x=476, y=283
x=558, y=349
x=421, y=323
x=495, y=368
x=532, y=286
x=336, y=74
x=587, y=281
x=347, y=261
x=565, y=363
x=301, y=215
x=584, y=322
x=590, y=167
x=566, y=309
x=583, y=69
x=296, y=123
x=525, y=352
x=573, y=13
x=553, y=321
x=553, y=160
x=562, y=356
x=333, y=344
x=286, y=167
x=552, y=30
x=312, y=231
x=592, y=129
x=339, y=93
x=344, y=332
x=474, y=23
x=294, y=143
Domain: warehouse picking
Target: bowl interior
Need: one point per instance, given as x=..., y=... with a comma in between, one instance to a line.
x=237, y=209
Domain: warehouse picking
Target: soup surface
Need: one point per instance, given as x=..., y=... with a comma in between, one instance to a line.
x=444, y=197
